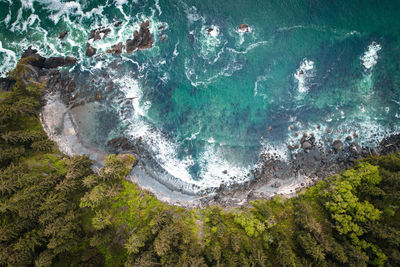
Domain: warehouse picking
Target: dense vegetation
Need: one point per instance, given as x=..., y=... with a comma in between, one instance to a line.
x=55, y=211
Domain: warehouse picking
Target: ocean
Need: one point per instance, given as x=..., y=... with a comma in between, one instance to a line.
x=208, y=98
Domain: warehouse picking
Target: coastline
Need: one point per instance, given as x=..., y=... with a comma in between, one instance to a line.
x=277, y=178
x=60, y=125
x=63, y=121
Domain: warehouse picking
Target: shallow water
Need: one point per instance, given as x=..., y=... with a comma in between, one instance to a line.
x=205, y=102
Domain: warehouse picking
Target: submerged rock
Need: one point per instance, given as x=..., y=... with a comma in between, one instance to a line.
x=90, y=50
x=63, y=34
x=142, y=39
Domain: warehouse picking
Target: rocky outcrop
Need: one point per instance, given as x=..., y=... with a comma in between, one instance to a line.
x=142, y=39
x=90, y=50
x=96, y=33
x=47, y=63
x=209, y=31
x=337, y=145
x=116, y=49
x=307, y=141
x=244, y=28
x=55, y=62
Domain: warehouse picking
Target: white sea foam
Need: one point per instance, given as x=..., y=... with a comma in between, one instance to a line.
x=197, y=80
x=214, y=164
x=9, y=61
x=212, y=160
x=193, y=15
x=259, y=79
x=176, y=53
x=273, y=149
x=7, y=19
x=210, y=40
x=303, y=74
x=17, y=20
x=29, y=22
x=370, y=57
x=157, y=4
x=165, y=150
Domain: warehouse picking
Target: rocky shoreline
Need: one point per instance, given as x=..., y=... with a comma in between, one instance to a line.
x=311, y=159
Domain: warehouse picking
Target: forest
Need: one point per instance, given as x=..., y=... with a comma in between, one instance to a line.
x=56, y=211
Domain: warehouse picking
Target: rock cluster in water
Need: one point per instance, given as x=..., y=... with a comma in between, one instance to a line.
x=96, y=33
x=142, y=39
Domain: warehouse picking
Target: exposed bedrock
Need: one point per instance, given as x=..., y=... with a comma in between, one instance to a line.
x=99, y=33
x=142, y=39
x=90, y=50
x=47, y=63
x=116, y=49
x=244, y=28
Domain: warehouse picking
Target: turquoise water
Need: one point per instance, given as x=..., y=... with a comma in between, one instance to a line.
x=205, y=103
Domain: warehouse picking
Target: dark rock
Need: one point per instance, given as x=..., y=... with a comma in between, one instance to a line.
x=160, y=28
x=209, y=31
x=63, y=34
x=225, y=172
x=96, y=33
x=141, y=40
x=55, y=62
x=355, y=149
x=29, y=52
x=116, y=49
x=90, y=50
x=244, y=28
x=337, y=145
x=348, y=138
x=118, y=23
x=120, y=144
x=47, y=63
x=7, y=84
